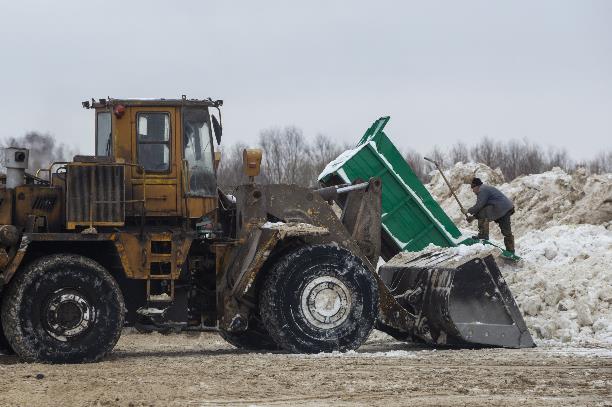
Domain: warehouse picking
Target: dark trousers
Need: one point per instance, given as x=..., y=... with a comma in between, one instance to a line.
x=503, y=223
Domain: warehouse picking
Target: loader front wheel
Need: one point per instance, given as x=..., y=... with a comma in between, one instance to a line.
x=63, y=308
x=319, y=298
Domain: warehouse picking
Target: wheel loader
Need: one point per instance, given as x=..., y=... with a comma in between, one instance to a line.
x=139, y=234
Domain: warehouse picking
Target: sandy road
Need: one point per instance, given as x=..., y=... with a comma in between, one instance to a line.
x=201, y=369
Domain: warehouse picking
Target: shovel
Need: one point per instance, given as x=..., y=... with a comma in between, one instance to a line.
x=463, y=210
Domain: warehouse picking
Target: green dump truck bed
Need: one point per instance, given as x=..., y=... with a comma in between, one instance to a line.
x=411, y=218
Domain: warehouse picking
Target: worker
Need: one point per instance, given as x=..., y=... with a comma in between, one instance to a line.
x=491, y=205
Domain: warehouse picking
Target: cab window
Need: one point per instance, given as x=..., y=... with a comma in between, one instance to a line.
x=103, y=134
x=198, y=152
x=153, y=141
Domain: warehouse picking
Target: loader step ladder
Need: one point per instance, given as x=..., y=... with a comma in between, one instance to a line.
x=162, y=268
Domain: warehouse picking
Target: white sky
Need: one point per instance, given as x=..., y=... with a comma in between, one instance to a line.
x=443, y=70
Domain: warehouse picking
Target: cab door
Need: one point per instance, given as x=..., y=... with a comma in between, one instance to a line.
x=154, y=147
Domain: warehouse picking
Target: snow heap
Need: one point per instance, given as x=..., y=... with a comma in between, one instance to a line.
x=460, y=176
x=564, y=284
x=541, y=200
x=563, y=230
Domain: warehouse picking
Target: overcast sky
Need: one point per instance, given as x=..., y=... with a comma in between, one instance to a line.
x=444, y=71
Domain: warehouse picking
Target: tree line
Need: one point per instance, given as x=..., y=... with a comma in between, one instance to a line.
x=513, y=157
x=288, y=157
x=291, y=158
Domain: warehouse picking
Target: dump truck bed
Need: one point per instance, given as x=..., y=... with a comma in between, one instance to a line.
x=411, y=218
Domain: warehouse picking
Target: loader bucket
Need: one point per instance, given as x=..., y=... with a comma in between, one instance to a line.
x=457, y=300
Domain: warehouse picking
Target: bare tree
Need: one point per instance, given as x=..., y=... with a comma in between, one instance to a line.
x=533, y=161
x=230, y=172
x=487, y=152
x=286, y=155
x=558, y=157
x=439, y=156
x=458, y=153
x=418, y=165
x=323, y=151
x=602, y=163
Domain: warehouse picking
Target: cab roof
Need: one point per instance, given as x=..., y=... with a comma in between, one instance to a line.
x=183, y=101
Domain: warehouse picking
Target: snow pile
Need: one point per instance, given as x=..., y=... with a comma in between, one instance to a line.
x=564, y=284
x=461, y=175
x=541, y=200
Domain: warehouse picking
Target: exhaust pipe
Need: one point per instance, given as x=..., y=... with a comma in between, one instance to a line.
x=16, y=162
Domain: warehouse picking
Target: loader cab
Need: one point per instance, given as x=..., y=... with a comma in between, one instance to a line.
x=172, y=140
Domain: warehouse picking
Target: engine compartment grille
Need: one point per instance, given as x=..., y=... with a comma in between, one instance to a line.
x=95, y=195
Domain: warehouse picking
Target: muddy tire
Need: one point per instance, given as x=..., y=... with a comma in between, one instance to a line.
x=319, y=299
x=5, y=347
x=63, y=308
x=254, y=338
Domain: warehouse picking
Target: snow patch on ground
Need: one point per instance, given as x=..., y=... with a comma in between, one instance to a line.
x=603, y=352
x=352, y=353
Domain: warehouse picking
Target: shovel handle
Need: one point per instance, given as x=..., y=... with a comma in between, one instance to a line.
x=447, y=183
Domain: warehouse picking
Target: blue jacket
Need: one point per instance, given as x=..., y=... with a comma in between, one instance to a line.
x=497, y=204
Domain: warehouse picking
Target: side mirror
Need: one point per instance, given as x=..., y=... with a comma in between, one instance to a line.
x=217, y=128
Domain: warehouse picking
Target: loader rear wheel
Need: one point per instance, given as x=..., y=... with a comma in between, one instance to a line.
x=254, y=338
x=63, y=308
x=5, y=347
x=319, y=299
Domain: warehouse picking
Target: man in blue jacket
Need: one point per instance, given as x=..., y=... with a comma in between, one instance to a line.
x=491, y=205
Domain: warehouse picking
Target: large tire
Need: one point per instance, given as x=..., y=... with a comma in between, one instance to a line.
x=319, y=299
x=63, y=308
x=254, y=338
x=5, y=347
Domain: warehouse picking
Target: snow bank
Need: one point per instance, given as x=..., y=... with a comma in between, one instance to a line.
x=541, y=200
x=564, y=284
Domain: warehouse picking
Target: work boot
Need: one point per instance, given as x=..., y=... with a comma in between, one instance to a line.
x=509, y=243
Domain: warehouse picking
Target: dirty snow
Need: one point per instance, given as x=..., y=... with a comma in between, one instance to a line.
x=564, y=284
x=541, y=200
x=272, y=225
x=477, y=249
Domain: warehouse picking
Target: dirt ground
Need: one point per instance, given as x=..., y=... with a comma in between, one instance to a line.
x=201, y=369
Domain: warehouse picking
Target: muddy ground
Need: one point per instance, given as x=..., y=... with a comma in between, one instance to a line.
x=201, y=369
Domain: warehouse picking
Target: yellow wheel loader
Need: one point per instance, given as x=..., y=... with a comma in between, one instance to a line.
x=140, y=235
